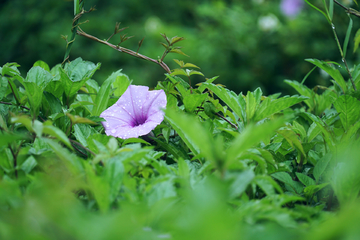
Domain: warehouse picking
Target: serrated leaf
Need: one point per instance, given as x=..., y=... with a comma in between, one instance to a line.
x=348, y=107
x=102, y=98
x=306, y=180
x=292, y=139
x=251, y=136
x=57, y=133
x=240, y=183
x=320, y=167
x=178, y=51
x=334, y=73
x=235, y=102
x=195, y=136
x=269, y=107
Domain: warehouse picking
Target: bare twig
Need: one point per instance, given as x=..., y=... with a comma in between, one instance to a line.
x=124, y=50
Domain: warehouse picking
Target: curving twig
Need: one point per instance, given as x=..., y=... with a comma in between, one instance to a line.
x=124, y=50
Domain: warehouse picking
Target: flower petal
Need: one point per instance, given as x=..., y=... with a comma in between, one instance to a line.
x=136, y=113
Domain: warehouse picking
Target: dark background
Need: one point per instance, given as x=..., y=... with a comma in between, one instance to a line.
x=223, y=38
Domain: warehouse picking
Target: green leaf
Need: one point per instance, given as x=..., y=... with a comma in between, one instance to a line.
x=356, y=40
x=240, y=183
x=82, y=132
x=192, y=101
x=251, y=136
x=135, y=140
x=71, y=161
x=348, y=107
x=121, y=83
x=311, y=190
x=42, y=64
x=347, y=37
x=28, y=164
x=334, y=73
x=292, y=139
x=267, y=184
x=269, y=107
x=99, y=188
x=3, y=86
x=113, y=173
x=57, y=133
x=102, y=98
x=76, y=74
x=326, y=16
x=35, y=82
x=192, y=132
x=320, y=167
x=39, y=76
x=235, y=102
x=285, y=178
x=251, y=106
x=306, y=180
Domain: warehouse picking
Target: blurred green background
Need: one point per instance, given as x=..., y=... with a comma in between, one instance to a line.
x=249, y=44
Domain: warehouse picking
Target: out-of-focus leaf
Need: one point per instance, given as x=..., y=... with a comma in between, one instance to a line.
x=240, y=183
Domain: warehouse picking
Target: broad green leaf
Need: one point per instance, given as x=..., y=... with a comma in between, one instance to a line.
x=57, y=133
x=235, y=102
x=306, y=180
x=320, y=167
x=3, y=86
x=113, y=173
x=28, y=164
x=102, y=98
x=192, y=101
x=240, y=183
x=351, y=132
x=202, y=87
x=173, y=149
x=82, y=132
x=251, y=136
x=192, y=132
x=334, y=73
x=260, y=160
x=76, y=74
x=120, y=84
x=35, y=82
x=299, y=129
x=285, y=178
x=312, y=189
x=39, y=76
x=269, y=107
x=71, y=161
x=93, y=88
x=292, y=139
x=51, y=104
x=349, y=109
x=251, y=106
x=183, y=169
x=267, y=184
x=8, y=138
x=42, y=64
x=99, y=188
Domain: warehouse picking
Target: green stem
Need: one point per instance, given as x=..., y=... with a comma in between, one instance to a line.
x=342, y=56
x=78, y=6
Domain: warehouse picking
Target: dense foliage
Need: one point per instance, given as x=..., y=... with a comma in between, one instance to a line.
x=221, y=165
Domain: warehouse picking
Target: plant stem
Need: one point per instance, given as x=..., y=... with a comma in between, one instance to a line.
x=78, y=5
x=124, y=50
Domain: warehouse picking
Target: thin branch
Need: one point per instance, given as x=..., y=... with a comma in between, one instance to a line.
x=124, y=50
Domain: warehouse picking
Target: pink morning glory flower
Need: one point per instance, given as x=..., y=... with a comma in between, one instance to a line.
x=136, y=113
